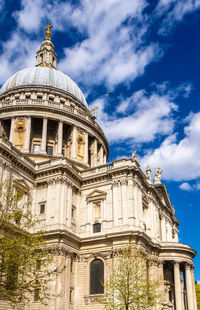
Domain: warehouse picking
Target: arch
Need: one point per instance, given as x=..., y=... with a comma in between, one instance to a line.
x=96, y=277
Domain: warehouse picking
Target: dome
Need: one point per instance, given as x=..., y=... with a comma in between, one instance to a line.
x=44, y=76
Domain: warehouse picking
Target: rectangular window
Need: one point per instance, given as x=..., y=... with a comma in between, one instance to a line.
x=49, y=150
x=42, y=208
x=96, y=227
x=36, y=148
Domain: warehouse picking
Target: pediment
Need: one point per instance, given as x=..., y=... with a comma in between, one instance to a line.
x=96, y=195
x=22, y=183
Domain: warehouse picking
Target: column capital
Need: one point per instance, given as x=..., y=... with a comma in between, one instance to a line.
x=188, y=266
x=176, y=264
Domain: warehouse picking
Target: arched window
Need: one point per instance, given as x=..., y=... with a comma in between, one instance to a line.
x=96, y=277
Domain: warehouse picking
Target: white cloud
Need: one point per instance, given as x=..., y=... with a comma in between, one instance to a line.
x=186, y=187
x=30, y=15
x=139, y=118
x=113, y=51
x=179, y=159
x=36, y=13
x=15, y=58
x=113, y=48
x=174, y=12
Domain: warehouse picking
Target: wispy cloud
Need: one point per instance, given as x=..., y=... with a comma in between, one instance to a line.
x=179, y=159
x=143, y=116
x=173, y=12
x=114, y=49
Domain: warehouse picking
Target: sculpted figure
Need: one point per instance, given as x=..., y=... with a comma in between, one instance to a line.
x=148, y=174
x=158, y=173
x=134, y=156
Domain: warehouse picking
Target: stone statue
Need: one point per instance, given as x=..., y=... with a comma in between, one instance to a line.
x=134, y=156
x=148, y=174
x=158, y=173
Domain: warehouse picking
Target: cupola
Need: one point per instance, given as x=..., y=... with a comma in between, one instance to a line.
x=46, y=57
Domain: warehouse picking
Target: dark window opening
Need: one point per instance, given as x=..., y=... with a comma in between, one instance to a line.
x=70, y=295
x=170, y=295
x=96, y=277
x=42, y=209
x=73, y=213
x=71, y=265
x=36, y=294
x=38, y=264
x=49, y=150
x=96, y=227
x=12, y=276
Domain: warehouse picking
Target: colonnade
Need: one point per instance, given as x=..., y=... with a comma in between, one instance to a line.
x=189, y=302
x=93, y=153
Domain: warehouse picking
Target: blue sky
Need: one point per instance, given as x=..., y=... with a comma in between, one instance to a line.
x=138, y=62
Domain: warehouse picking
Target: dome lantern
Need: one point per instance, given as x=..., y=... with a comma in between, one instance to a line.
x=46, y=57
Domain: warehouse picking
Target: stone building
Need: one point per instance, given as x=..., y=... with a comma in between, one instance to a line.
x=52, y=146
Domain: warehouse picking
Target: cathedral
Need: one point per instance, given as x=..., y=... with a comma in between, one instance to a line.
x=52, y=146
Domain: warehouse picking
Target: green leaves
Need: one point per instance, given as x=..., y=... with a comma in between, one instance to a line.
x=129, y=286
x=21, y=250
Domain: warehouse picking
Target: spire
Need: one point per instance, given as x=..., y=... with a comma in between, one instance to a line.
x=46, y=56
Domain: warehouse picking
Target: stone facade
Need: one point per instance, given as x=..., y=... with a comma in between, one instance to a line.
x=51, y=145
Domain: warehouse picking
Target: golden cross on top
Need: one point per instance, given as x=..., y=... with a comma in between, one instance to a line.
x=48, y=32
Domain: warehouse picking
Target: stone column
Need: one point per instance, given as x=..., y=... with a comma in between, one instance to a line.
x=104, y=158
x=27, y=136
x=12, y=127
x=86, y=148
x=189, y=292
x=44, y=136
x=60, y=138
x=193, y=289
x=101, y=155
x=177, y=284
x=73, y=147
x=95, y=152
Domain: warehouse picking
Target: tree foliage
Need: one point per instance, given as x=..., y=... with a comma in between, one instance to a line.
x=197, y=288
x=25, y=265
x=129, y=286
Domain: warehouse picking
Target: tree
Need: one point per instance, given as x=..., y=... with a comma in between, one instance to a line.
x=129, y=286
x=25, y=265
x=197, y=288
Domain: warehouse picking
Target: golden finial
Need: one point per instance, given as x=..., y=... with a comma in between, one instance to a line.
x=48, y=32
